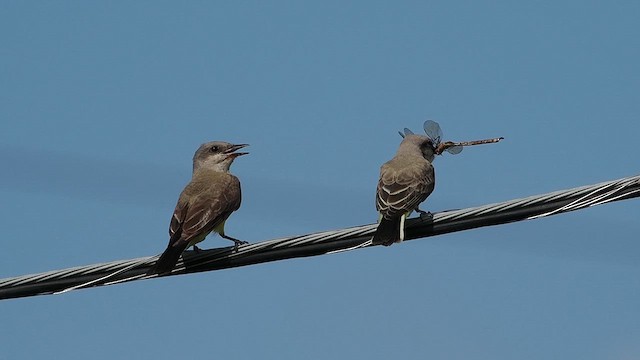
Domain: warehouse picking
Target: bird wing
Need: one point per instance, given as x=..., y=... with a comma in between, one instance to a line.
x=202, y=214
x=200, y=209
x=402, y=188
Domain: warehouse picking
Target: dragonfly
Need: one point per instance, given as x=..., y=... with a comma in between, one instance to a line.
x=433, y=131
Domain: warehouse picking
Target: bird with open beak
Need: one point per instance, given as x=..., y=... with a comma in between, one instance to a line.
x=205, y=203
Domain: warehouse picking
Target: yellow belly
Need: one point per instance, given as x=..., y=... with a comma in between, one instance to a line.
x=218, y=229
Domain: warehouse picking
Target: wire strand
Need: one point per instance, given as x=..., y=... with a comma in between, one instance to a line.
x=327, y=242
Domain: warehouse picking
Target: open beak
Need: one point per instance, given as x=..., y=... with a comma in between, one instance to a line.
x=232, y=149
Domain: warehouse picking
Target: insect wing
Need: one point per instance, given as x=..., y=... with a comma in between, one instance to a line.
x=455, y=149
x=433, y=131
x=406, y=132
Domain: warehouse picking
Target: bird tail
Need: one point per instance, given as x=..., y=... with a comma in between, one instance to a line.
x=388, y=232
x=167, y=261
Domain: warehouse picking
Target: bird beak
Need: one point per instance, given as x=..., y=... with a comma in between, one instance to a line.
x=232, y=149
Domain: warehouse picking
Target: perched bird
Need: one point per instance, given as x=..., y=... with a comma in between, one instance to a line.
x=405, y=181
x=205, y=203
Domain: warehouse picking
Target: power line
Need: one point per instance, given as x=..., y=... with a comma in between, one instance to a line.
x=324, y=242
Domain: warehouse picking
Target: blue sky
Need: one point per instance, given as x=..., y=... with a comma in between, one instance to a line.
x=102, y=105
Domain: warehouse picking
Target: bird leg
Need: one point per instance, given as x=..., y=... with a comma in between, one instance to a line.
x=236, y=242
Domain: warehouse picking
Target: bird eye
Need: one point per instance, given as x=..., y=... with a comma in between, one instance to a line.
x=214, y=148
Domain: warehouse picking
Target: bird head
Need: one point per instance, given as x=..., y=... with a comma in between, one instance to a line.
x=216, y=155
x=421, y=143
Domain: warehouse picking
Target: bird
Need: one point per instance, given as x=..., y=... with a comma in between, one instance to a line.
x=205, y=204
x=405, y=182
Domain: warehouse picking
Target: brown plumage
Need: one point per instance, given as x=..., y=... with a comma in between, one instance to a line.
x=405, y=181
x=205, y=203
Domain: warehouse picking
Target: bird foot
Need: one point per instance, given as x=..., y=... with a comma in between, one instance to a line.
x=425, y=215
x=236, y=242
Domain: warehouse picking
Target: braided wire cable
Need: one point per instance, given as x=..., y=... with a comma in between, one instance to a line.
x=326, y=242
